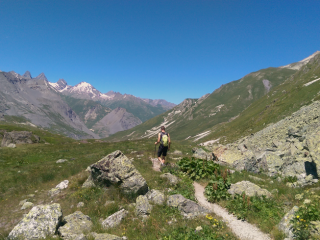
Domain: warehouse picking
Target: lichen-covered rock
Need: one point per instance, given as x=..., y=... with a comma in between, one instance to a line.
x=249, y=188
x=201, y=154
x=143, y=207
x=40, y=222
x=187, y=208
x=19, y=137
x=27, y=205
x=315, y=229
x=115, y=219
x=54, y=191
x=89, y=182
x=80, y=204
x=116, y=168
x=285, y=225
x=155, y=196
x=173, y=180
x=63, y=184
x=75, y=224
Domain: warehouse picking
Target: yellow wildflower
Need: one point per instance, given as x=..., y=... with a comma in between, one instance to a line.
x=298, y=216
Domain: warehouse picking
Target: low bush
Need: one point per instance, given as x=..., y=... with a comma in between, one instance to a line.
x=218, y=186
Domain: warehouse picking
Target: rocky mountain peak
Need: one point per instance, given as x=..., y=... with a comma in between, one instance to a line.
x=41, y=76
x=62, y=83
x=27, y=75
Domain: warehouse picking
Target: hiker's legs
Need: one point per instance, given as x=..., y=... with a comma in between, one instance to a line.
x=163, y=159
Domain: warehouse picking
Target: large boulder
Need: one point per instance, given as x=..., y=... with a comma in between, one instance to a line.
x=285, y=225
x=187, y=208
x=173, y=180
x=155, y=196
x=75, y=225
x=117, y=169
x=249, y=188
x=19, y=137
x=143, y=207
x=40, y=222
x=115, y=219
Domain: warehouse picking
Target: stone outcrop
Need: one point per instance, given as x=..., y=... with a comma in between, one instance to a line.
x=40, y=222
x=56, y=190
x=143, y=207
x=19, y=137
x=199, y=153
x=249, y=188
x=188, y=208
x=75, y=225
x=173, y=180
x=285, y=225
x=115, y=219
x=156, y=196
x=117, y=169
x=289, y=147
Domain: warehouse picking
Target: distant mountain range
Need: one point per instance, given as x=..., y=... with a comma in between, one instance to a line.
x=79, y=111
x=241, y=104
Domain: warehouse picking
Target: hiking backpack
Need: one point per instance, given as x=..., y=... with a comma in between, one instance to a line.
x=164, y=139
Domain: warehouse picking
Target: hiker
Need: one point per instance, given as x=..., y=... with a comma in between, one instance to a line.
x=164, y=140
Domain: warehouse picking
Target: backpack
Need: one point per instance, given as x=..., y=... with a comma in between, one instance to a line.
x=164, y=139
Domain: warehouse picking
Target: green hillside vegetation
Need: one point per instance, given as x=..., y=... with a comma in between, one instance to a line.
x=198, y=117
x=279, y=103
x=82, y=106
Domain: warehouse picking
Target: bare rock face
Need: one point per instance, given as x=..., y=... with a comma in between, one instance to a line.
x=19, y=137
x=40, y=222
x=117, y=169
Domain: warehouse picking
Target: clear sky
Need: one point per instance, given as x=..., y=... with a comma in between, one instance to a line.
x=155, y=48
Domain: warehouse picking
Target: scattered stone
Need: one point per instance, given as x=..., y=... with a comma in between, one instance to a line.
x=11, y=145
x=63, y=184
x=141, y=155
x=132, y=152
x=23, y=202
x=256, y=178
x=173, y=220
x=116, y=168
x=177, y=152
x=285, y=225
x=155, y=196
x=115, y=219
x=62, y=161
x=315, y=229
x=80, y=204
x=31, y=196
x=54, y=191
x=249, y=188
x=173, y=180
x=40, y=222
x=187, y=208
x=143, y=208
x=27, y=205
x=75, y=224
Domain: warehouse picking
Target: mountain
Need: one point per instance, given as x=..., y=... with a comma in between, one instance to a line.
x=143, y=109
x=204, y=118
x=27, y=99
x=117, y=120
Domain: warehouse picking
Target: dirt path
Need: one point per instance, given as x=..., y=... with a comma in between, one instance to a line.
x=243, y=230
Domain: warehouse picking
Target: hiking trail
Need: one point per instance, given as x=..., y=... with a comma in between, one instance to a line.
x=242, y=229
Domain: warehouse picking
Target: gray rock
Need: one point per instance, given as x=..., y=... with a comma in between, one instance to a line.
x=115, y=219
x=249, y=188
x=173, y=180
x=156, y=196
x=143, y=208
x=106, y=236
x=177, y=152
x=187, y=208
x=63, y=184
x=89, y=182
x=116, y=168
x=201, y=154
x=256, y=178
x=40, y=222
x=19, y=137
x=54, y=191
x=11, y=145
x=80, y=204
x=27, y=205
x=285, y=225
x=62, y=161
x=75, y=225
x=23, y=202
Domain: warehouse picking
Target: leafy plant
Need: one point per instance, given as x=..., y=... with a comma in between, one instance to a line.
x=218, y=186
x=198, y=168
x=290, y=179
x=307, y=213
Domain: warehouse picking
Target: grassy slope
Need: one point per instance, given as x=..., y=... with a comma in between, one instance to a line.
x=82, y=106
x=234, y=95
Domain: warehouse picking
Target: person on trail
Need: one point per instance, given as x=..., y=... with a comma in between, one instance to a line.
x=164, y=140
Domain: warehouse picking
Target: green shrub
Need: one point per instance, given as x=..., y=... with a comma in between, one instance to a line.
x=218, y=186
x=197, y=168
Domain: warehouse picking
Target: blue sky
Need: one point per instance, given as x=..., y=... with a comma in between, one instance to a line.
x=155, y=49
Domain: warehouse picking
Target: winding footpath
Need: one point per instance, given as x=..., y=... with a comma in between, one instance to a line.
x=243, y=230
